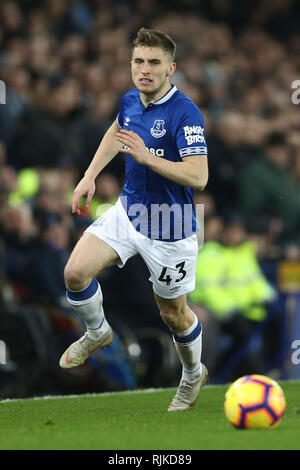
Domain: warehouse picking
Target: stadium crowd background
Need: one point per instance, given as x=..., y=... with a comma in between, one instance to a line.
x=65, y=65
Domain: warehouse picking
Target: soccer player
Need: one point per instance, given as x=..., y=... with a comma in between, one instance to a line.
x=161, y=132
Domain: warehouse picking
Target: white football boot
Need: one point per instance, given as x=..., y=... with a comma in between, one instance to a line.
x=78, y=352
x=187, y=393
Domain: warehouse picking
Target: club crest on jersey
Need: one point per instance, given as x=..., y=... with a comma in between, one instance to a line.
x=158, y=130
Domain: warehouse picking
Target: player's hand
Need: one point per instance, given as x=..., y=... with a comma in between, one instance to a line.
x=86, y=187
x=135, y=145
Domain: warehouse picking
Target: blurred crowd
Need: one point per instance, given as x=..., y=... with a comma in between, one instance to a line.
x=65, y=65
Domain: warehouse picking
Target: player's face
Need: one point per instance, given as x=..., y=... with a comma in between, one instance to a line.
x=151, y=69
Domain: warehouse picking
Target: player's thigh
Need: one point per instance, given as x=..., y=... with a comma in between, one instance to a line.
x=90, y=255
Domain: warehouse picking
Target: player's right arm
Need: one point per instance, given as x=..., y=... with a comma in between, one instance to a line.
x=107, y=150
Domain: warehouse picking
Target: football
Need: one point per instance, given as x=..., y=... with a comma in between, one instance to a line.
x=254, y=402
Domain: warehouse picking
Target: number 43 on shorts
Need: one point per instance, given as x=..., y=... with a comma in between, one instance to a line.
x=164, y=277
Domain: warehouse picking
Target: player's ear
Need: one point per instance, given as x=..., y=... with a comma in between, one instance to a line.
x=172, y=69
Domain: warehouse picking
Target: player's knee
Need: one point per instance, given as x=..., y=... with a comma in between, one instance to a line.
x=74, y=278
x=172, y=315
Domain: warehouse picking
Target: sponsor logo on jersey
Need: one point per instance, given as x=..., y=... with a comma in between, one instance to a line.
x=194, y=135
x=158, y=130
x=157, y=152
x=126, y=121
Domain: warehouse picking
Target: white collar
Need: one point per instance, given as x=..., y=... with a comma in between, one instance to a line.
x=167, y=96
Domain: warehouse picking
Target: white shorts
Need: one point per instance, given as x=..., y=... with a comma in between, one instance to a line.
x=172, y=265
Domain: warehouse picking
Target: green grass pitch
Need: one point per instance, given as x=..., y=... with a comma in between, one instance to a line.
x=139, y=421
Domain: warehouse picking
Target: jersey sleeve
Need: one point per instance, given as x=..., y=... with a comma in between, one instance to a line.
x=190, y=136
x=120, y=116
x=119, y=120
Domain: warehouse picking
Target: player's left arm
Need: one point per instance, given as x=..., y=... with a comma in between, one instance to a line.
x=192, y=171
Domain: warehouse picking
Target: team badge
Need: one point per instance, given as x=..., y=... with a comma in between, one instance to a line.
x=158, y=130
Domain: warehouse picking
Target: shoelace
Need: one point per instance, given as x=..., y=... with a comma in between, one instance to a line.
x=182, y=391
x=77, y=347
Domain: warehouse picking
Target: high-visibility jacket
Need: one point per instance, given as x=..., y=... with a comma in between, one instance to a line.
x=229, y=278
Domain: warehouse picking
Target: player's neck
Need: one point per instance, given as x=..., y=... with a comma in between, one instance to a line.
x=151, y=98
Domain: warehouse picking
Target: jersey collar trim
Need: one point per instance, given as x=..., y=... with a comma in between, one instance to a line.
x=167, y=96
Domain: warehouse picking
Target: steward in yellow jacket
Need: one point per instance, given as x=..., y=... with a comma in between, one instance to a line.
x=229, y=279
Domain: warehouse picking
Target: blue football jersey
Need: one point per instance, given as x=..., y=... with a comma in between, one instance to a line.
x=171, y=128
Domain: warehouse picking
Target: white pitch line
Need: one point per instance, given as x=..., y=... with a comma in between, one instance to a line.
x=123, y=392
x=103, y=394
